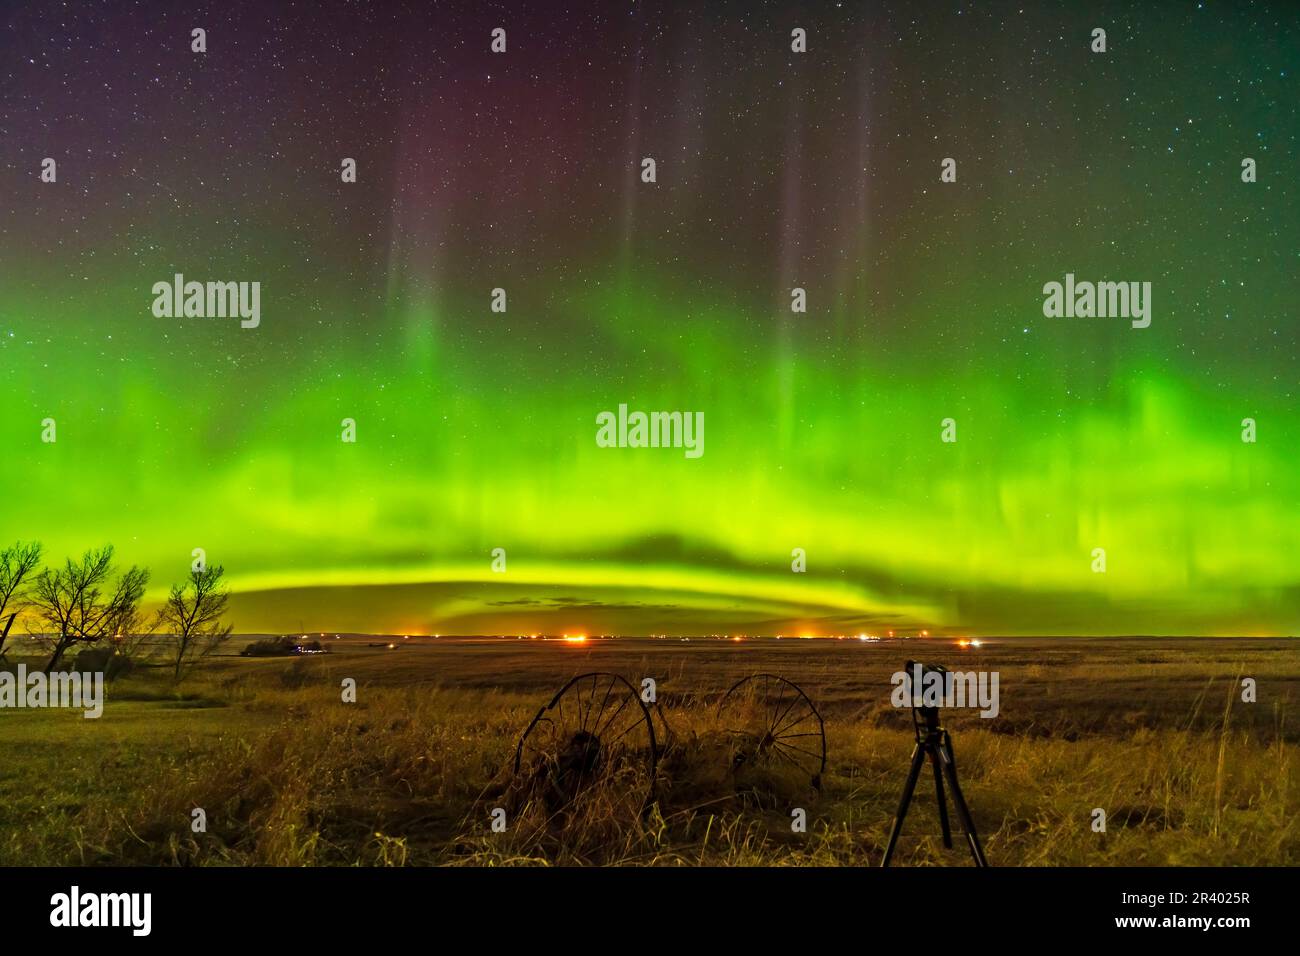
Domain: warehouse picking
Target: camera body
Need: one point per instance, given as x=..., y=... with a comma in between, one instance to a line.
x=917, y=673
x=913, y=666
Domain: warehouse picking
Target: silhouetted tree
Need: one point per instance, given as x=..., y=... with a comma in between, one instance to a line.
x=17, y=562
x=134, y=631
x=72, y=605
x=190, y=618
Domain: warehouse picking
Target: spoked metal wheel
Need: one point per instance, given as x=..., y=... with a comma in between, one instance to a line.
x=771, y=723
x=596, y=731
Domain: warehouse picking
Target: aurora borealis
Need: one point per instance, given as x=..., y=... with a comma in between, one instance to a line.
x=775, y=170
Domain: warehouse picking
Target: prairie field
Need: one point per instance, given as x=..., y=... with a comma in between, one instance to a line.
x=416, y=770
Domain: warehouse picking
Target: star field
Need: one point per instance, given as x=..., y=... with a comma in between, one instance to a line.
x=775, y=170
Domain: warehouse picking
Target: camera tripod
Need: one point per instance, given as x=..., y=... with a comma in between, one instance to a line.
x=937, y=745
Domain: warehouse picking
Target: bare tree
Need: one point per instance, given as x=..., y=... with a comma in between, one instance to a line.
x=70, y=603
x=17, y=562
x=190, y=618
x=134, y=633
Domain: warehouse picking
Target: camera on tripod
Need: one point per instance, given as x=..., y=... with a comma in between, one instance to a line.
x=934, y=743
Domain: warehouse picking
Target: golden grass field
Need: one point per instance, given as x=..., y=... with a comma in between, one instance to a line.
x=1152, y=731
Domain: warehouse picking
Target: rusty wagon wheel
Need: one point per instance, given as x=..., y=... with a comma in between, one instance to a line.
x=596, y=731
x=770, y=722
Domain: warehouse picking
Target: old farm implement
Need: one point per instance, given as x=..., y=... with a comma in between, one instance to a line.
x=596, y=730
x=771, y=725
x=599, y=731
x=599, y=747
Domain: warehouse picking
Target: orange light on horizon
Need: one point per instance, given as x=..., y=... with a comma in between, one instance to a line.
x=575, y=638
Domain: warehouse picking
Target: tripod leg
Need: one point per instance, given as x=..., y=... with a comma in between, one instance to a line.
x=918, y=758
x=963, y=811
x=943, y=804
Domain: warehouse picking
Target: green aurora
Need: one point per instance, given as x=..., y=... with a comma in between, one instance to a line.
x=993, y=533
x=476, y=430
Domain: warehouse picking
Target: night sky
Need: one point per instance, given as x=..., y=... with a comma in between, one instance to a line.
x=476, y=429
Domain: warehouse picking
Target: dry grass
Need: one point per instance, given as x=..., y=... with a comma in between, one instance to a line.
x=288, y=775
